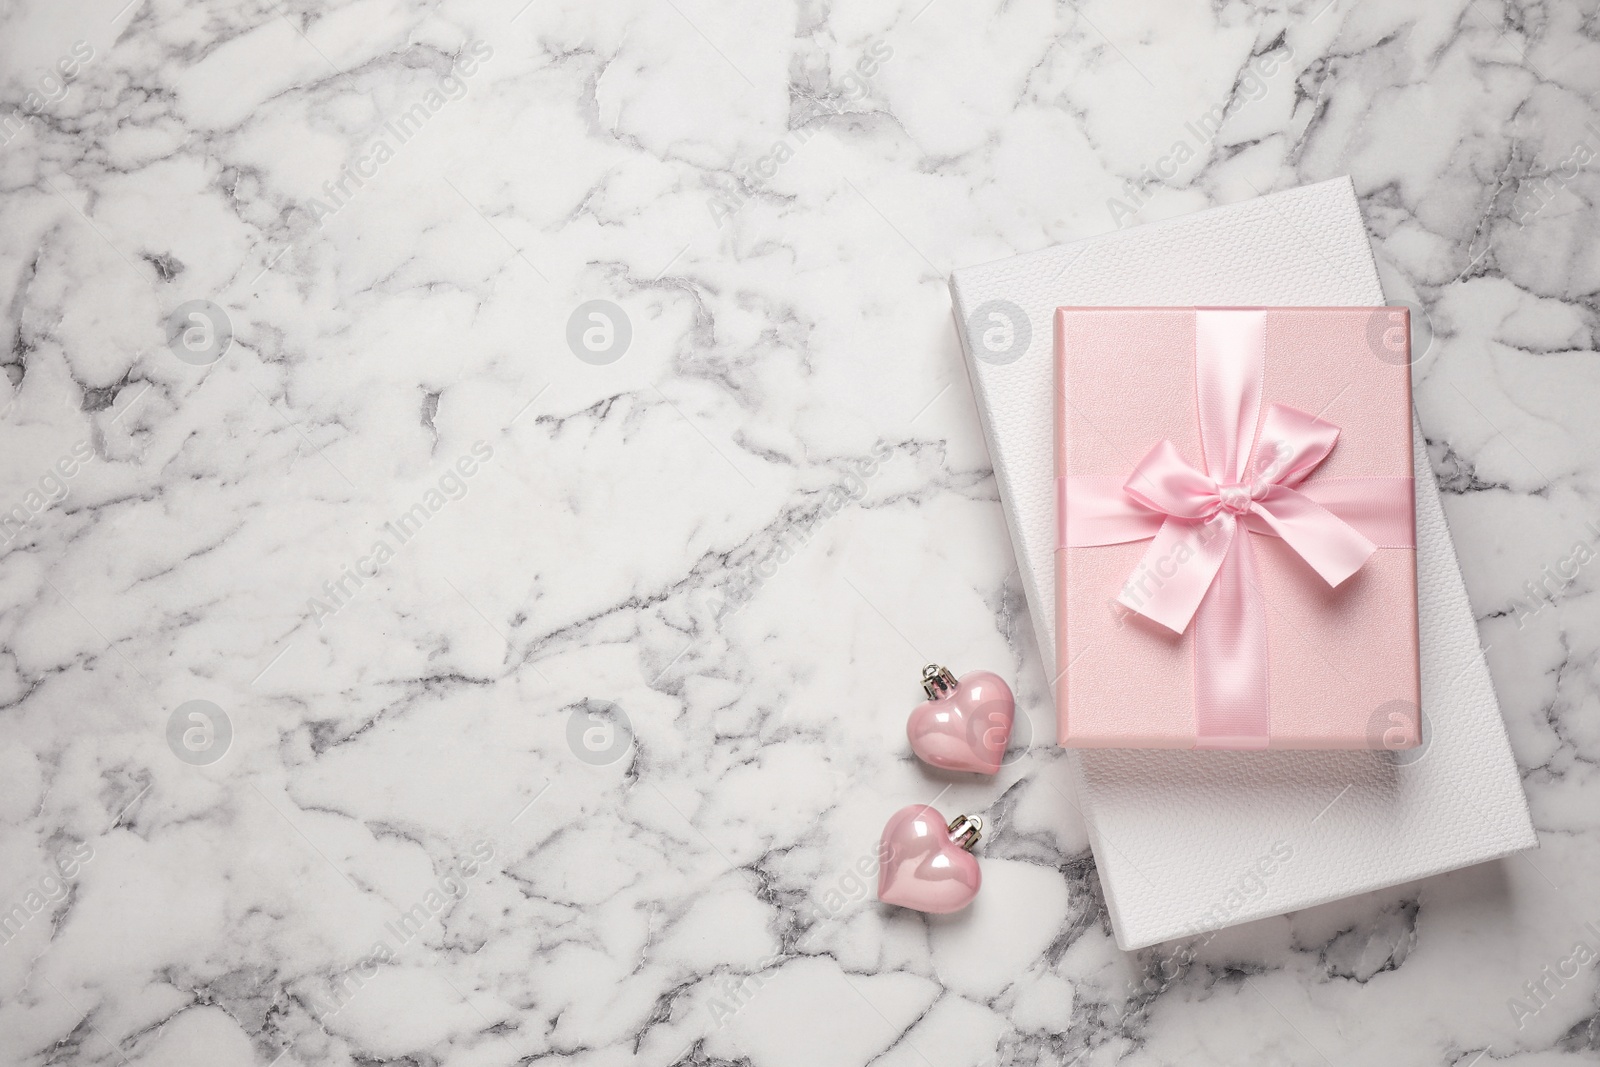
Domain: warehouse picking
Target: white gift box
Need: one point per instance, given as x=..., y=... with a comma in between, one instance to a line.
x=1188, y=842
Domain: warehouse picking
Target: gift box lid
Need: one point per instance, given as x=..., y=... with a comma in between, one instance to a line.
x=1303, y=635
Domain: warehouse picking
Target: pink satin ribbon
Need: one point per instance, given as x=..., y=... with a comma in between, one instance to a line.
x=1197, y=569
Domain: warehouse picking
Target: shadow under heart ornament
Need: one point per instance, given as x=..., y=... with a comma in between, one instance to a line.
x=965, y=725
x=926, y=864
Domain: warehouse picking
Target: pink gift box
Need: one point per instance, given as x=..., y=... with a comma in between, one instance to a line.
x=1236, y=562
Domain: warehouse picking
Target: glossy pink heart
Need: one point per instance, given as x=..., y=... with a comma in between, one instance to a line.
x=967, y=725
x=922, y=866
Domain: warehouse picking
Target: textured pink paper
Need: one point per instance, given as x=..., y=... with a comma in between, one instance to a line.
x=1342, y=662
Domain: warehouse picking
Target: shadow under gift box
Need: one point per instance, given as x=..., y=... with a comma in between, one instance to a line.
x=1342, y=662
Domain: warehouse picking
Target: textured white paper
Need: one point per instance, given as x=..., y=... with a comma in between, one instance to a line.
x=1187, y=842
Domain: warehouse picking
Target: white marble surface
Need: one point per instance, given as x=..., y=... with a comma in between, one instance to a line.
x=748, y=532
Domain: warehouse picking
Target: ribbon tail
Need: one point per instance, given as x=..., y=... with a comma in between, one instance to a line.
x=1170, y=582
x=1333, y=547
x=1230, y=657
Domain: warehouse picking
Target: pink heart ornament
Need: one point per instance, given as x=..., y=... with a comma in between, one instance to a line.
x=924, y=863
x=966, y=725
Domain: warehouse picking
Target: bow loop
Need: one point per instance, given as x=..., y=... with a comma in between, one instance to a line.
x=1188, y=551
x=1333, y=547
x=1292, y=445
x=1165, y=482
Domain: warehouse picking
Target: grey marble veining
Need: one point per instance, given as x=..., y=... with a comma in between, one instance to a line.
x=482, y=479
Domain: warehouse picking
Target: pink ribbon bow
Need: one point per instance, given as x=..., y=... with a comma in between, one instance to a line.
x=1197, y=568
